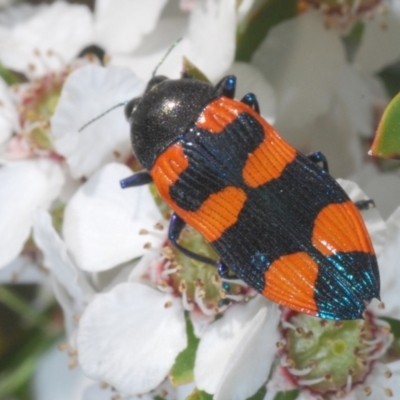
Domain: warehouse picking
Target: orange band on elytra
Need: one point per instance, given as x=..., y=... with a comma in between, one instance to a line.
x=268, y=161
x=217, y=213
x=340, y=228
x=290, y=281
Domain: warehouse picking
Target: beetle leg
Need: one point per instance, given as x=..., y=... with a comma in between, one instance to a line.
x=226, y=87
x=224, y=272
x=139, y=179
x=319, y=157
x=365, y=204
x=251, y=100
x=175, y=228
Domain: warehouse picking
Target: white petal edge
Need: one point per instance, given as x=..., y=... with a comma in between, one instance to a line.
x=57, y=260
x=214, y=41
x=388, y=266
x=244, y=343
x=302, y=60
x=380, y=47
x=25, y=187
x=121, y=24
x=130, y=337
x=87, y=93
x=63, y=29
x=102, y=222
x=22, y=270
x=8, y=113
x=54, y=380
x=378, y=382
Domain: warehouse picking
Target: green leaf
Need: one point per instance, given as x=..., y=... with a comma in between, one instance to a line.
x=23, y=365
x=387, y=139
x=391, y=79
x=289, y=395
x=10, y=77
x=182, y=371
x=271, y=13
x=259, y=395
x=199, y=395
x=353, y=40
x=191, y=70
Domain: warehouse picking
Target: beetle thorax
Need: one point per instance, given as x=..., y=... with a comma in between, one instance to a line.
x=165, y=112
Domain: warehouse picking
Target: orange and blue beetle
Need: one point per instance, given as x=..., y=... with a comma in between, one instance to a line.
x=276, y=218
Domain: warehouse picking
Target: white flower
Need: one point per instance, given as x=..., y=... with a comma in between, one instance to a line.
x=379, y=45
x=25, y=187
x=45, y=41
x=208, y=41
x=243, y=343
x=103, y=223
x=88, y=92
x=130, y=36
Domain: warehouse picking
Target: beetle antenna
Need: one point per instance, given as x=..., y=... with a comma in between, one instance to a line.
x=102, y=115
x=165, y=56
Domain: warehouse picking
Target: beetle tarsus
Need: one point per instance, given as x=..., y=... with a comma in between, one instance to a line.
x=318, y=157
x=226, y=87
x=365, y=204
x=251, y=100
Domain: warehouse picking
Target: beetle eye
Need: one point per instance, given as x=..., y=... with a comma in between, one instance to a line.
x=131, y=106
x=154, y=82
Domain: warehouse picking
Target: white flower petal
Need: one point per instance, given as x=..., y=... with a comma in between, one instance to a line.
x=22, y=270
x=378, y=382
x=384, y=188
x=380, y=47
x=388, y=266
x=121, y=24
x=211, y=48
x=244, y=343
x=8, y=113
x=214, y=41
x=98, y=392
x=375, y=224
x=19, y=12
x=61, y=28
x=70, y=288
x=153, y=48
x=102, y=221
x=334, y=135
x=250, y=80
x=87, y=93
x=57, y=260
x=130, y=337
x=25, y=186
x=302, y=60
x=54, y=380
x=360, y=94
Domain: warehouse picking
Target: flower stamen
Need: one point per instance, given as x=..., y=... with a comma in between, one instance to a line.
x=310, y=382
x=198, y=298
x=300, y=372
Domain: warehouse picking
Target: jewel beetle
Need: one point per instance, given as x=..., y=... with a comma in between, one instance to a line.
x=275, y=216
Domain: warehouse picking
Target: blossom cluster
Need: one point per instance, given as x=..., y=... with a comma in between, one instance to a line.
x=141, y=319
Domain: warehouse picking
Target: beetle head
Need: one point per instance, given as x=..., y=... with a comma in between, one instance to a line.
x=166, y=111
